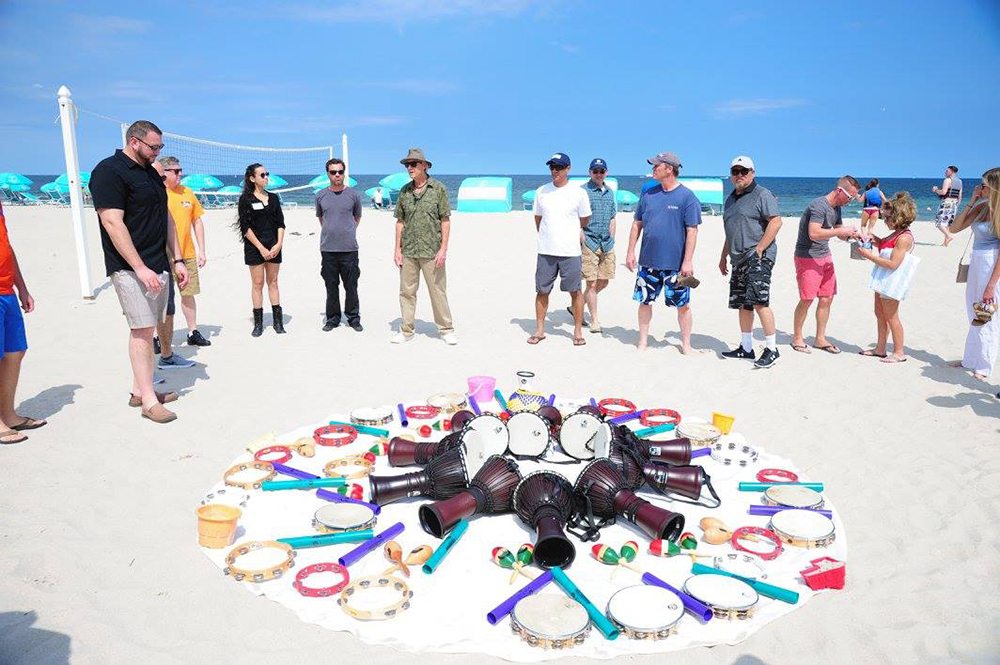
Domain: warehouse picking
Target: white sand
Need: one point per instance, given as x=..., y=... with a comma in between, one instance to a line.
x=97, y=524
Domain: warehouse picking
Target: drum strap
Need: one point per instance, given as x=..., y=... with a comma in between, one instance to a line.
x=584, y=525
x=713, y=502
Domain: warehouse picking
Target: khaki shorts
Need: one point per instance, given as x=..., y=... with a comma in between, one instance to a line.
x=193, y=287
x=140, y=310
x=598, y=265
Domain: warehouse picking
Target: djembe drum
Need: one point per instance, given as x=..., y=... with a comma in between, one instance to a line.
x=403, y=452
x=544, y=501
x=603, y=489
x=491, y=491
x=445, y=476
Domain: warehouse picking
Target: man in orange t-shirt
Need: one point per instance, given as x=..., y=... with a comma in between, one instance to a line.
x=13, y=342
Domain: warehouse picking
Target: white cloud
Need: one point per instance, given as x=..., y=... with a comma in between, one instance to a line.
x=734, y=107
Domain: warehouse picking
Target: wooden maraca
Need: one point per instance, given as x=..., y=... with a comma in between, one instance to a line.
x=716, y=531
x=417, y=556
x=608, y=555
x=393, y=552
x=304, y=447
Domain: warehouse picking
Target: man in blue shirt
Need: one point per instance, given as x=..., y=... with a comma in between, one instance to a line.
x=598, y=236
x=667, y=217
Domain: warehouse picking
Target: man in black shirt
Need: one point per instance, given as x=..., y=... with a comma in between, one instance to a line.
x=136, y=233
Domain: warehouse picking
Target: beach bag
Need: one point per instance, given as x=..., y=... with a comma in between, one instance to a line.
x=894, y=284
x=962, y=277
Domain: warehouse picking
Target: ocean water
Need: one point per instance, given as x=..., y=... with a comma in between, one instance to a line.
x=793, y=194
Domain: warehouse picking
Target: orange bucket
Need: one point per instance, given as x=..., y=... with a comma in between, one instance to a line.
x=217, y=525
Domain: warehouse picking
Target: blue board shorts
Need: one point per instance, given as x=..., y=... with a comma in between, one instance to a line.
x=650, y=281
x=12, y=335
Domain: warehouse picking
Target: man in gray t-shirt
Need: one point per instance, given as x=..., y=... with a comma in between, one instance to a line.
x=814, y=264
x=338, y=211
x=751, y=221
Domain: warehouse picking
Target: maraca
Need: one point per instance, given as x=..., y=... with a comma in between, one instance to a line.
x=393, y=552
x=717, y=533
x=304, y=447
x=502, y=557
x=525, y=557
x=381, y=448
x=609, y=556
x=417, y=556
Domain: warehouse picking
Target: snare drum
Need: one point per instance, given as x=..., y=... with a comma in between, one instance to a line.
x=728, y=597
x=803, y=528
x=550, y=622
x=792, y=496
x=341, y=517
x=529, y=435
x=583, y=434
x=645, y=612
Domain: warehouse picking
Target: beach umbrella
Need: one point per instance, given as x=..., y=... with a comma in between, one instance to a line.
x=395, y=181
x=528, y=196
x=53, y=186
x=321, y=181
x=388, y=195
x=626, y=197
x=84, y=178
x=10, y=178
x=230, y=189
x=16, y=187
x=201, y=181
x=276, y=180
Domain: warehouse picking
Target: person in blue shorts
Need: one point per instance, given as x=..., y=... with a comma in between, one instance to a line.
x=667, y=219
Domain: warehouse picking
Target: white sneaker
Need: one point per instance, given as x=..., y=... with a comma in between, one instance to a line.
x=400, y=337
x=450, y=338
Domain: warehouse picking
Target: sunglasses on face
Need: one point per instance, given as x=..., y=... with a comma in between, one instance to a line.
x=850, y=197
x=738, y=170
x=265, y=174
x=556, y=167
x=174, y=170
x=411, y=165
x=155, y=148
x=341, y=172
x=599, y=171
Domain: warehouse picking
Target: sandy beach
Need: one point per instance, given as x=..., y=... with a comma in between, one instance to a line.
x=100, y=562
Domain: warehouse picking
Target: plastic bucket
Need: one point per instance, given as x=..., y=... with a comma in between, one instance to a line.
x=723, y=422
x=481, y=387
x=217, y=525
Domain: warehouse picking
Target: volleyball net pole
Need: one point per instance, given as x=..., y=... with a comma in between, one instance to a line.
x=67, y=117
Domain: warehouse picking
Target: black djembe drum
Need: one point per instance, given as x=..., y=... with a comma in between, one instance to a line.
x=491, y=491
x=544, y=501
x=675, y=451
x=445, y=476
x=602, y=487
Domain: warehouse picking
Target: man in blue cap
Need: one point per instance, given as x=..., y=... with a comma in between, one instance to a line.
x=561, y=210
x=598, y=246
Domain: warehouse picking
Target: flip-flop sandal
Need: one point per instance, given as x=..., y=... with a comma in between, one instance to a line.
x=10, y=432
x=535, y=339
x=579, y=341
x=29, y=423
x=893, y=360
x=871, y=354
x=801, y=348
x=829, y=348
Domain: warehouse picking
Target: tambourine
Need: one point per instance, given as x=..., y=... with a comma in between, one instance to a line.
x=792, y=496
x=262, y=574
x=584, y=436
x=372, y=417
x=645, y=612
x=341, y=517
x=364, y=462
x=321, y=592
x=229, y=496
x=760, y=535
x=422, y=412
x=803, y=528
x=614, y=407
x=654, y=417
x=733, y=453
x=550, y=621
x=448, y=402
x=358, y=587
x=698, y=432
x=335, y=435
x=744, y=565
x=727, y=597
x=265, y=467
x=776, y=476
x=273, y=454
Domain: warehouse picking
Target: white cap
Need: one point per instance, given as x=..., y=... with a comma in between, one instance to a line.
x=743, y=161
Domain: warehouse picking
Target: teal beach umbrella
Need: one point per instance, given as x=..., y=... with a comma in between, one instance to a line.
x=395, y=181
x=201, y=181
x=84, y=179
x=10, y=178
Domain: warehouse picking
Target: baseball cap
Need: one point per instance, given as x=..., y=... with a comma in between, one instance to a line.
x=598, y=163
x=665, y=158
x=558, y=159
x=743, y=161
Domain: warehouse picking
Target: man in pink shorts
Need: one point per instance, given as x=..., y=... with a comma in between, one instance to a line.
x=814, y=272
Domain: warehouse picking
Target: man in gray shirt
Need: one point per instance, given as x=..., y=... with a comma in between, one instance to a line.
x=338, y=210
x=751, y=221
x=814, y=264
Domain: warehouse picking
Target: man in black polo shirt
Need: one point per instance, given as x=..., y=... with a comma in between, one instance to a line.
x=751, y=220
x=136, y=232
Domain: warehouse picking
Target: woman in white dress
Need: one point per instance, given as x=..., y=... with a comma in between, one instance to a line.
x=982, y=214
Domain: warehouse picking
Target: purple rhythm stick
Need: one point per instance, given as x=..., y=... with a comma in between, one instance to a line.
x=593, y=403
x=364, y=548
x=767, y=511
x=627, y=417
x=698, y=609
x=327, y=495
x=507, y=606
x=700, y=452
x=552, y=399
x=402, y=415
x=293, y=472
x=475, y=406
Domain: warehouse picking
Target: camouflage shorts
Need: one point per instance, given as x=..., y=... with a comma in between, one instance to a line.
x=750, y=283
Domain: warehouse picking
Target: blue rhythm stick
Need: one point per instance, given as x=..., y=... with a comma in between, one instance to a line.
x=402, y=415
x=364, y=429
x=442, y=551
x=603, y=624
x=305, y=484
x=500, y=400
x=300, y=542
x=475, y=405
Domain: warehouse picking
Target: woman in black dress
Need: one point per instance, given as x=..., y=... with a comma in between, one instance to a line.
x=262, y=227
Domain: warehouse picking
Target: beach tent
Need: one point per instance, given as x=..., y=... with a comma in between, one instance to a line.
x=708, y=190
x=485, y=194
x=626, y=200
x=528, y=199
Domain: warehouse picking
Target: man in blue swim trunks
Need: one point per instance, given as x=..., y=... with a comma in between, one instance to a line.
x=667, y=218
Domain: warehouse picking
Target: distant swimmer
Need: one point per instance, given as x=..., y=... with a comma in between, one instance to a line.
x=872, y=199
x=950, y=193
x=377, y=199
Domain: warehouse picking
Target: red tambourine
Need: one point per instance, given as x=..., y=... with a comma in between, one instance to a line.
x=335, y=435
x=422, y=412
x=756, y=533
x=614, y=406
x=654, y=417
x=284, y=451
x=776, y=476
x=321, y=592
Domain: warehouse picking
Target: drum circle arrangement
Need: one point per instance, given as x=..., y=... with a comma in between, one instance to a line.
x=537, y=526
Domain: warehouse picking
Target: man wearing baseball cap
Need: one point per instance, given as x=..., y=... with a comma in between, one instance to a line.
x=667, y=217
x=598, y=241
x=560, y=210
x=751, y=221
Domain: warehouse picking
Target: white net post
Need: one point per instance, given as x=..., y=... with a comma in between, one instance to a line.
x=347, y=161
x=67, y=117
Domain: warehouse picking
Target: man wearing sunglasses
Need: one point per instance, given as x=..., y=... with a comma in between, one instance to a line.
x=598, y=238
x=814, y=272
x=423, y=226
x=338, y=211
x=751, y=220
x=131, y=203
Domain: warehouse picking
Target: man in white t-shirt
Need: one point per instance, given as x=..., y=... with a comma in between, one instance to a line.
x=560, y=212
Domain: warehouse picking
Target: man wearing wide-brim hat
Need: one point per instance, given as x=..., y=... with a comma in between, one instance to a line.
x=423, y=225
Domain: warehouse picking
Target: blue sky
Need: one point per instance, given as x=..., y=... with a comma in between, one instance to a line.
x=495, y=86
